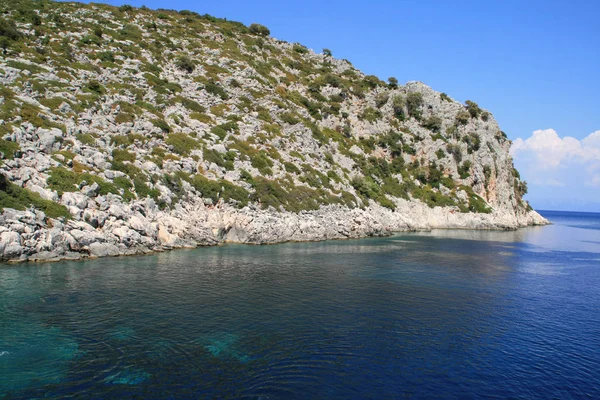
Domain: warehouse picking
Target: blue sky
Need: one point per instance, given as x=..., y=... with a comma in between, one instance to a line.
x=533, y=64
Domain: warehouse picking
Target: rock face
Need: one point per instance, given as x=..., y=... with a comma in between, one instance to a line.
x=128, y=130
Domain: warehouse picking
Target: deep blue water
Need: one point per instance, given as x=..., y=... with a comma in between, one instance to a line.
x=445, y=314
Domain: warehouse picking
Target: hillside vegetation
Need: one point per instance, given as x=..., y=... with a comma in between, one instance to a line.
x=151, y=109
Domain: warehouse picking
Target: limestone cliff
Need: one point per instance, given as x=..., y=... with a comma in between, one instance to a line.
x=129, y=130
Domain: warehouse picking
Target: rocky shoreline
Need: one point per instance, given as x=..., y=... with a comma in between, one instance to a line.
x=121, y=135
x=141, y=228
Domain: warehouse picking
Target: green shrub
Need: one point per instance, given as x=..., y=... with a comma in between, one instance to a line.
x=476, y=203
x=202, y=118
x=131, y=32
x=182, y=143
x=445, y=97
x=185, y=63
x=95, y=87
x=216, y=90
x=336, y=98
x=246, y=176
x=108, y=56
x=300, y=49
x=162, y=124
x=452, y=132
x=432, y=198
x=367, y=188
x=381, y=99
x=222, y=130
x=129, y=169
x=65, y=180
x=393, y=142
x=222, y=160
x=9, y=34
x=262, y=162
x=464, y=170
x=8, y=29
x=175, y=184
x=8, y=149
x=122, y=182
x=62, y=180
x=392, y=82
x=189, y=13
x=462, y=117
x=162, y=86
x=86, y=139
x=34, y=69
x=487, y=173
x=298, y=155
x=18, y=198
x=370, y=114
x=398, y=104
x=473, y=142
x=414, y=102
x=189, y=104
x=264, y=115
x=120, y=155
x=314, y=178
x=221, y=189
x=473, y=109
x=291, y=168
x=520, y=189
x=434, y=176
x=91, y=39
x=516, y=173
x=258, y=29
x=283, y=194
x=143, y=190
x=289, y=118
x=371, y=82
x=433, y=123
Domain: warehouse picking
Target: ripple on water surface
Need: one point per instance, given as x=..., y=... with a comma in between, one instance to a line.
x=32, y=354
x=454, y=314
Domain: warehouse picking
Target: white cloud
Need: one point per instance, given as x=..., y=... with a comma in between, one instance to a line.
x=550, y=151
x=548, y=182
x=545, y=159
x=593, y=140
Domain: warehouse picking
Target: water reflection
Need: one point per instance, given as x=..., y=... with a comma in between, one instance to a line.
x=560, y=236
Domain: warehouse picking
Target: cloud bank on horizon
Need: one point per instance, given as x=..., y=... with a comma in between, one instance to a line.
x=562, y=173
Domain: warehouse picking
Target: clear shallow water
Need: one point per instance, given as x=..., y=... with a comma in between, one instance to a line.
x=446, y=314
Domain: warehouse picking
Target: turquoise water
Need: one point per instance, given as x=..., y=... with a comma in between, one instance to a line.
x=445, y=314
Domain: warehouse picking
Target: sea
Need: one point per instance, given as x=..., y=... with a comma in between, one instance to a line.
x=446, y=314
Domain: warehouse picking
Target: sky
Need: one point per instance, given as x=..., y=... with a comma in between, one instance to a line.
x=534, y=64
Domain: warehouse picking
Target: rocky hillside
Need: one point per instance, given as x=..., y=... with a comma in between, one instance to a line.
x=127, y=130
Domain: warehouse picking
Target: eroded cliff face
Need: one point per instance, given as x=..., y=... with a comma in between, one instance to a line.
x=130, y=130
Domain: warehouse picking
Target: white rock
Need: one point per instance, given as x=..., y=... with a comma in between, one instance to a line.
x=74, y=199
x=45, y=194
x=103, y=250
x=10, y=238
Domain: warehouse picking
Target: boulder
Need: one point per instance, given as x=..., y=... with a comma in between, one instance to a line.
x=103, y=249
x=48, y=139
x=73, y=199
x=86, y=238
